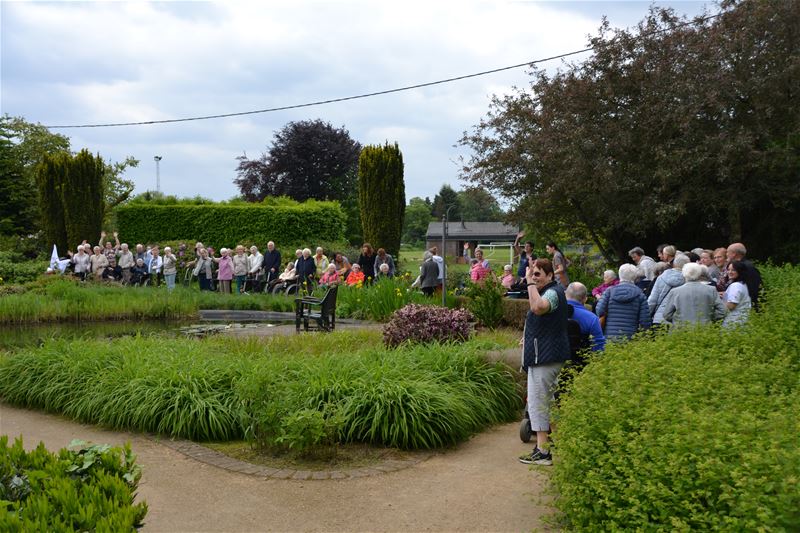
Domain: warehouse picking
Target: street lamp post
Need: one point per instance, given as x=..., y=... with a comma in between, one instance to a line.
x=444, y=257
x=157, y=159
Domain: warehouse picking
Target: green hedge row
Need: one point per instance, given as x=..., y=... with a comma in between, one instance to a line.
x=694, y=430
x=232, y=224
x=88, y=489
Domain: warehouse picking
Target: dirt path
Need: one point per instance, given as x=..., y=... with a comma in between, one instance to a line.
x=478, y=487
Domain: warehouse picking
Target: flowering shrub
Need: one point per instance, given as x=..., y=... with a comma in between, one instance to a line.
x=486, y=302
x=427, y=323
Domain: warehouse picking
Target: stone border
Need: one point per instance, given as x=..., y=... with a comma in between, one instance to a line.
x=211, y=457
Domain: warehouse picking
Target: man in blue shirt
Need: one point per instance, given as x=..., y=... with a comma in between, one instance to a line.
x=590, y=325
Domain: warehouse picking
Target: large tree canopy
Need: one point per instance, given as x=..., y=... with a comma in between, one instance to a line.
x=307, y=159
x=679, y=133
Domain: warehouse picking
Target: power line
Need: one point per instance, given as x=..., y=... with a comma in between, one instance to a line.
x=377, y=93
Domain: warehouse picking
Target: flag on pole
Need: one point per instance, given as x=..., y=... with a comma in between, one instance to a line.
x=56, y=263
x=54, y=258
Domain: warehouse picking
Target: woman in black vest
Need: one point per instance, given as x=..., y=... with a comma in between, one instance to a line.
x=545, y=349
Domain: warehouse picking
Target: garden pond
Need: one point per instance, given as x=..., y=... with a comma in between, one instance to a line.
x=14, y=337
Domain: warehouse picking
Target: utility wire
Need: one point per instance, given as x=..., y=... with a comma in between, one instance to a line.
x=377, y=93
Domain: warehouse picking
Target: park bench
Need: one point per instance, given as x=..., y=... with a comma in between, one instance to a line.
x=321, y=310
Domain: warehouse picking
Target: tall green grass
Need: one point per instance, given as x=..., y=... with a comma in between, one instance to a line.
x=65, y=300
x=379, y=300
x=692, y=430
x=223, y=388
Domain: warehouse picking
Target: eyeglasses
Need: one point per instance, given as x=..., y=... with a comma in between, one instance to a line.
x=536, y=274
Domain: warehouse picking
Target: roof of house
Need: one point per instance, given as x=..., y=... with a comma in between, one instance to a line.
x=473, y=230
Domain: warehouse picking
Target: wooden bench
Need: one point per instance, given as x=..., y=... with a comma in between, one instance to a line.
x=305, y=310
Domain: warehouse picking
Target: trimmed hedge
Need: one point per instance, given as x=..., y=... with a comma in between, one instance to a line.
x=231, y=224
x=695, y=430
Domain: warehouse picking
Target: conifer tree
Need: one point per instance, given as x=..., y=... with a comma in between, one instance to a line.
x=49, y=180
x=382, y=196
x=83, y=197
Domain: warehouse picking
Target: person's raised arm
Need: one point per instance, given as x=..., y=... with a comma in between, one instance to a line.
x=517, y=250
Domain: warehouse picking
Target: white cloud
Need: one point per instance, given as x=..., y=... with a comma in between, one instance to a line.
x=134, y=61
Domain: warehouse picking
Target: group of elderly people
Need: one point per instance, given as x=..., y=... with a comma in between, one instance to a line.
x=318, y=269
x=116, y=262
x=233, y=268
x=694, y=287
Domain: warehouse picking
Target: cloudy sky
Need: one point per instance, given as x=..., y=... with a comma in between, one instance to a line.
x=66, y=63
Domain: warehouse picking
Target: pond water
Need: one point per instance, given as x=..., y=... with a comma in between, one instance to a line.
x=15, y=337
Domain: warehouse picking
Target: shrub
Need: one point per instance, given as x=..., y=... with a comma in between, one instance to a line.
x=515, y=311
x=89, y=489
x=692, y=430
x=486, y=302
x=16, y=270
x=427, y=323
x=309, y=222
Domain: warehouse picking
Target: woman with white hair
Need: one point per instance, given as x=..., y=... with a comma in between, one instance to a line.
x=694, y=302
x=667, y=281
x=225, y=271
x=624, y=306
x=306, y=270
x=170, y=265
x=609, y=280
x=508, y=277
x=320, y=261
x=82, y=262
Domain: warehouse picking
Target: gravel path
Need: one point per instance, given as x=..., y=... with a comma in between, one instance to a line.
x=479, y=486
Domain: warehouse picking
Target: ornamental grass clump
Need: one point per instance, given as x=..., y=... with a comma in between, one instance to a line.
x=281, y=392
x=427, y=323
x=694, y=430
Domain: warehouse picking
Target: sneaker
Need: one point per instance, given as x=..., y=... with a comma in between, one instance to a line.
x=537, y=457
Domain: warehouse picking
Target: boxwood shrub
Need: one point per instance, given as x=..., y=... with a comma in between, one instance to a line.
x=309, y=222
x=694, y=430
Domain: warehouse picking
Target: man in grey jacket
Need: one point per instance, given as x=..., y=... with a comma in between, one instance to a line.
x=694, y=302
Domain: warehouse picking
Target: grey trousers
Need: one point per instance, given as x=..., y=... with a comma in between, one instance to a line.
x=542, y=380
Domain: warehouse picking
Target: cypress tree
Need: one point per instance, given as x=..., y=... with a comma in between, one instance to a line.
x=83, y=197
x=382, y=196
x=50, y=177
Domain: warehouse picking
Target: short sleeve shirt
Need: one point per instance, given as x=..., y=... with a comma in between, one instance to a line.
x=551, y=296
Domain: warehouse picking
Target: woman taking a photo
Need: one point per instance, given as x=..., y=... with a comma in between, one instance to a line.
x=545, y=349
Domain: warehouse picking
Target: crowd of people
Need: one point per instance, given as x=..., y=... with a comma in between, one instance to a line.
x=233, y=271
x=694, y=287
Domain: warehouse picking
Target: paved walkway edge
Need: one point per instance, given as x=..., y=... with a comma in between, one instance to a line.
x=211, y=457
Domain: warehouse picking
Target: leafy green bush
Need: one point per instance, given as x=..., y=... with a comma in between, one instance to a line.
x=18, y=270
x=89, y=489
x=309, y=222
x=486, y=302
x=692, y=430
x=226, y=388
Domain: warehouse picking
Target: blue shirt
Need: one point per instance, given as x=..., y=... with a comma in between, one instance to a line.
x=523, y=264
x=590, y=325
